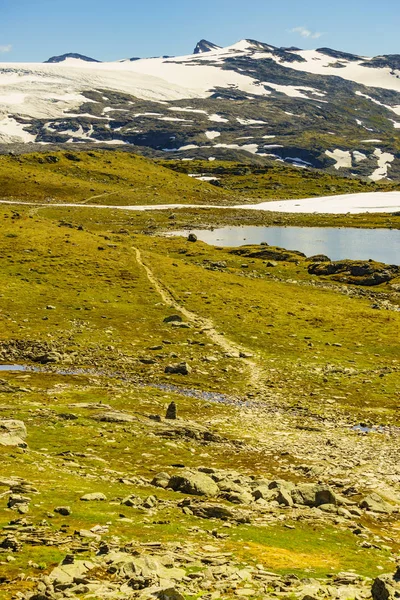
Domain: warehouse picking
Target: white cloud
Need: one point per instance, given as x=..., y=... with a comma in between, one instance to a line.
x=306, y=33
x=4, y=49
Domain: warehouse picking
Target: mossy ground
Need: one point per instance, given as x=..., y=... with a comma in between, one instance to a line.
x=83, y=262
x=277, y=182
x=104, y=178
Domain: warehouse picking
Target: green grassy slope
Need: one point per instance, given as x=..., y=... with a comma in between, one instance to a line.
x=105, y=178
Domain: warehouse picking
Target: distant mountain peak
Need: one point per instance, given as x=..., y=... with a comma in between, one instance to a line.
x=63, y=57
x=205, y=46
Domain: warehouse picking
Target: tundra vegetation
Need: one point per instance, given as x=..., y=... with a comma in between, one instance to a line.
x=279, y=476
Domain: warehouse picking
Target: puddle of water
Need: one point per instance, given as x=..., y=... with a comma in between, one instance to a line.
x=167, y=387
x=338, y=243
x=376, y=429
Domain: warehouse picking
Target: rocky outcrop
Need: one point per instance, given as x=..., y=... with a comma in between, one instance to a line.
x=198, y=484
x=204, y=46
x=356, y=272
x=63, y=57
x=12, y=433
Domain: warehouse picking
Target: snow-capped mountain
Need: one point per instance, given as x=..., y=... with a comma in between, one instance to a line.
x=312, y=108
x=205, y=46
x=59, y=59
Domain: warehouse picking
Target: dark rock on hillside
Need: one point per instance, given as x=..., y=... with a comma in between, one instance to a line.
x=268, y=252
x=204, y=46
x=391, y=61
x=171, y=411
x=386, y=587
x=357, y=272
x=338, y=54
x=59, y=59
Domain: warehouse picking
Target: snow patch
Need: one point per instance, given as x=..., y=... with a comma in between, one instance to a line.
x=11, y=131
x=372, y=202
x=250, y=121
x=218, y=118
x=295, y=91
x=211, y=135
x=384, y=162
x=342, y=158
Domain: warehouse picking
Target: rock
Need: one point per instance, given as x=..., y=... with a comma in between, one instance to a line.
x=17, y=500
x=170, y=594
x=317, y=258
x=132, y=500
x=217, y=511
x=161, y=480
x=113, y=417
x=150, y=502
x=12, y=433
x=49, y=358
x=192, y=237
x=180, y=369
x=65, y=511
x=367, y=273
x=312, y=494
x=94, y=497
x=197, y=484
x=65, y=574
x=375, y=503
x=171, y=411
x=386, y=587
x=263, y=492
x=239, y=498
x=173, y=319
x=284, y=497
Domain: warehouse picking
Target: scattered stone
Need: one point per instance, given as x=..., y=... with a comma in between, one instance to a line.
x=192, y=237
x=171, y=411
x=94, y=497
x=65, y=511
x=173, y=319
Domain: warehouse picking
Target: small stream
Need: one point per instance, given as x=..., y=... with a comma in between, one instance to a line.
x=187, y=392
x=167, y=387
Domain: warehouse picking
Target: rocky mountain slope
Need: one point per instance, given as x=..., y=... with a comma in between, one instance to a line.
x=324, y=109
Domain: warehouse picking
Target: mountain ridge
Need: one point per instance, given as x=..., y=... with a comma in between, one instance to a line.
x=63, y=57
x=323, y=108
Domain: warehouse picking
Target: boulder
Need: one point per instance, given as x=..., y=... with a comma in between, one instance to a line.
x=171, y=411
x=192, y=237
x=173, y=319
x=95, y=497
x=216, y=511
x=375, y=503
x=65, y=511
x=180, y=369
x=12, y=433
x=386, y=587
x=314, y=495
x=65, y=574
x=161, y=480
x=197, y=484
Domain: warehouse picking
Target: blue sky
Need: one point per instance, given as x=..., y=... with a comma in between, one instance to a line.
x=34, y=30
